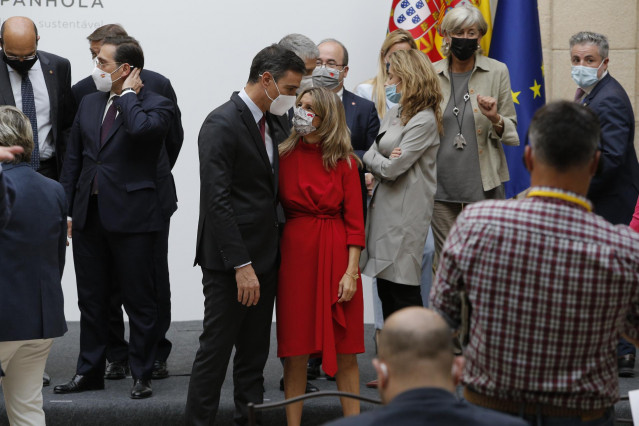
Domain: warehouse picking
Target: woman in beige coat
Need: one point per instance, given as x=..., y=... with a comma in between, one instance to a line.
x=403, y=161
x=478, y=116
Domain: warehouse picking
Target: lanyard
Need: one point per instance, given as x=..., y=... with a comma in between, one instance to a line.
x=561, y=196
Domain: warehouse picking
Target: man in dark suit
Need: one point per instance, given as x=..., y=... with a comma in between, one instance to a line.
x=39, y=84
x=117, y=348
x=110, y=177
x=7, y=191
x=614, y=189
x=32, y=249
x=237, y=240
x=417, y=375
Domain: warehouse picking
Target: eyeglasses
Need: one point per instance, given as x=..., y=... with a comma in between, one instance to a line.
x=23, y=58
x=327, y=64
x=101, y=64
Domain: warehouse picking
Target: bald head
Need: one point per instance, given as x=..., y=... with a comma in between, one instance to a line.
x=415, y=336
x=19, y=36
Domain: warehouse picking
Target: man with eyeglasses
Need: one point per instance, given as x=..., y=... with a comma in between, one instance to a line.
x=117, y=347
x=110, y=178
x=39, y=84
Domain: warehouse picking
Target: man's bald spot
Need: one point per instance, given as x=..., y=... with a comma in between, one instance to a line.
x=414, y=335
x=19, y=26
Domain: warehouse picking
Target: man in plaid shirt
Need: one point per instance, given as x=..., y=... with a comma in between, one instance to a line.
x=550, y=285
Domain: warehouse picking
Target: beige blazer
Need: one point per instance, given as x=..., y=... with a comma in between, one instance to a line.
x=489, y=78
x=402, y=205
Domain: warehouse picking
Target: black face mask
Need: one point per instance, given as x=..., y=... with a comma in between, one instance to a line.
x=463, y=48
x=20, y=66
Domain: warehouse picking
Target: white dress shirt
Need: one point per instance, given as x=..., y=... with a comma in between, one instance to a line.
x=42, y=105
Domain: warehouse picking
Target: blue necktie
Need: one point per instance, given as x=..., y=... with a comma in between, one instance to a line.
x=28, y=108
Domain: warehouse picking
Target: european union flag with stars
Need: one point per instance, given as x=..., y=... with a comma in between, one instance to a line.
x=516, y=41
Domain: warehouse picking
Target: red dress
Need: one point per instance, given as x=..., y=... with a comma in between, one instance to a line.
x=324, y=215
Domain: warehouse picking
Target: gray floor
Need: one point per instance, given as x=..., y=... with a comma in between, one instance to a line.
x=113, y=407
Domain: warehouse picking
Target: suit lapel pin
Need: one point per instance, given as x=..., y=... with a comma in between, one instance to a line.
x=51, y=72
x=353, y=103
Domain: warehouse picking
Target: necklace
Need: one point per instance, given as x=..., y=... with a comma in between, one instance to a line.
x=561, y=196
x=459, y=141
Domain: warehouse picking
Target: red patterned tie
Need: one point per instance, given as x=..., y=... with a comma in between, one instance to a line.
x=262, y=124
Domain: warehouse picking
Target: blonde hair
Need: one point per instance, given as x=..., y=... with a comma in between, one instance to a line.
x=379, y=94
x=420, y=87
x=15, y=130
x=459, y=18
x=333, y=131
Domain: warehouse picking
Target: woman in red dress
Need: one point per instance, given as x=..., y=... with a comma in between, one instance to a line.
x=319, y=298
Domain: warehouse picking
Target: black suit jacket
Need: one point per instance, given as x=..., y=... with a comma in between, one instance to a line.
x=430, y=407
x=32, y=253
x=614, y=190
x=57, y=77
x=161, y=85
x=362, y=121
x=238, y=190
x=125, y=165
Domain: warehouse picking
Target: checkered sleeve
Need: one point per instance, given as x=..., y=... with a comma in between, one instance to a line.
x=631, y=323
x=444, y=296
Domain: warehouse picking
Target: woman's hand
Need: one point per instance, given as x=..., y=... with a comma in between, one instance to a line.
x=370, y=183
x=347, y=287
x=488, y=107
x=396, y=153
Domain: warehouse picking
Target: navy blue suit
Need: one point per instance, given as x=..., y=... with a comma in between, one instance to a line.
x=32, y=249
x=57, y=77
x=362, y=121
x=614, y=190
x=114, y=232
x=429, y=407
x=118, y=347
x=7, y=195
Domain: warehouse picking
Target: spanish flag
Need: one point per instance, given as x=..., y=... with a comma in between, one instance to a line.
x=422, y=19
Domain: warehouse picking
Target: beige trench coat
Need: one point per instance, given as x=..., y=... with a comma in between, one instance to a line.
x=489, y=78
x=402, y=205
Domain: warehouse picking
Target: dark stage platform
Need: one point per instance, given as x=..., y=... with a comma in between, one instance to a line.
x=113, y=407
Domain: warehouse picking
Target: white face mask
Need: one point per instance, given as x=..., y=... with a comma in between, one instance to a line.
x=303, y=121
x=282, y=103
x=102, y=79
x=585, y=76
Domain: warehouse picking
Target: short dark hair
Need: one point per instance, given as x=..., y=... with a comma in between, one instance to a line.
x=564, y=135
x=108, y=30
x=277, y=60
x=127, y=51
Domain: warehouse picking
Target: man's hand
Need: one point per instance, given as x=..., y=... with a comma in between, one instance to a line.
x=370, y=183
x=133, y=81
x=69, y=226
x=8, y=153
x=248, y=286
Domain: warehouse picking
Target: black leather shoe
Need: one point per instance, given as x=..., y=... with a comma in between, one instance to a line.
x=141, y=389
x=626, y=365
x=46, y=379
x=310, y=387
x=159, y=370
x=80, y=383
x=116, y=370
x=312, y=372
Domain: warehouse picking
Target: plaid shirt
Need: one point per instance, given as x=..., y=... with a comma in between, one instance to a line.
x=550, y=286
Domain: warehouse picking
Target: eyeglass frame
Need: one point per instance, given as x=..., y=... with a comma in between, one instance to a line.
x=22, y=58
x=99, y=64
x=320, y=64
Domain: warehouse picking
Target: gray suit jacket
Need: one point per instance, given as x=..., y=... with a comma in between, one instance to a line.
x=402, y=205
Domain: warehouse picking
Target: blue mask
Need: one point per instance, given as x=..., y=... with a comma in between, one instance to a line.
x=391, y=93
x=585, y=76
